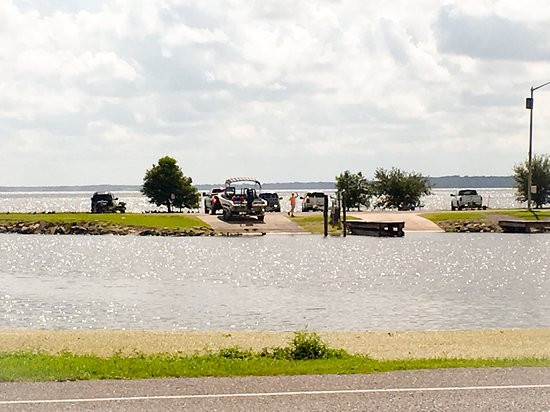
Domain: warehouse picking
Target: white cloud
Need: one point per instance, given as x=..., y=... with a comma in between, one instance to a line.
x=303, y=89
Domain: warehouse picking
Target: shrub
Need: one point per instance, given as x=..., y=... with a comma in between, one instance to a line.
x=310, y=346
x=304, y=346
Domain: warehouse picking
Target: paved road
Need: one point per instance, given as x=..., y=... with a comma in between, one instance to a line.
x=497, y=389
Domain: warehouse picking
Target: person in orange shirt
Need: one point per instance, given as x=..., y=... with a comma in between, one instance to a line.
x=293, y=197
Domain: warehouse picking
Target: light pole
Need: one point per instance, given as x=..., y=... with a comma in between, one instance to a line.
x=529, y=105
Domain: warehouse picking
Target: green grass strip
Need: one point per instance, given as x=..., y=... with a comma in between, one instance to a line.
x=441, y=216
x=314, y=224
x=525, y=214
x=173, y=221
x=66, y=366
x=484, y=214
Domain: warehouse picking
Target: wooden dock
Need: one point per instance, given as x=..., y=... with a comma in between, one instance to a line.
x=381, y=229
x=524, y=226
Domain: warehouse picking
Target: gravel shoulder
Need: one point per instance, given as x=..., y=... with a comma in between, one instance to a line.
x=506, y=343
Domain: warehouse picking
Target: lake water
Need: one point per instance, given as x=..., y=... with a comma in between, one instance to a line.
x=276, y=282
x=135, y=202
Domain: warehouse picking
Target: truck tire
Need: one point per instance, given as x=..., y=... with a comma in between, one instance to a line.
x=226, y=216
x=453, y=207
x=261, y=218
x=205, y=208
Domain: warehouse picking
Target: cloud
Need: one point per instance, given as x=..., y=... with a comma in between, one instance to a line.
x=300, y=90
x=491, y=37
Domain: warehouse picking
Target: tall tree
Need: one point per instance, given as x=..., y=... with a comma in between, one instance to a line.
x=540, y=177
x=398, y=189
x=355, y=187
x=166, y=185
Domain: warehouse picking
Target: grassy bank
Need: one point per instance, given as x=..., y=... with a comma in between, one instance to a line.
x=173, y=221
x=227, y=362
x=66, y=366
x=487, y=215
x=314, y=224
x=528, y=215
x=41, y=355
x=482, y=219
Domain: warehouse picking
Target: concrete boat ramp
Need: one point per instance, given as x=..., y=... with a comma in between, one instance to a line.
x=273, y=223
x=280, y=223
x=413, y=222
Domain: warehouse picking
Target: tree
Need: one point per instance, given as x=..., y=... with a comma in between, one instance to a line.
x=398, y=189
x=540, y=177
x=355, y=187
x=166, y=185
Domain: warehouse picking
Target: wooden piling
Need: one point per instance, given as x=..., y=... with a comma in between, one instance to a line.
x=325, y=216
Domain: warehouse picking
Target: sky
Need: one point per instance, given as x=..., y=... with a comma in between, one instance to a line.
x=96, y=92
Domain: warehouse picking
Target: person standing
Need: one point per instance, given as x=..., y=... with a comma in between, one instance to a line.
x=292, y=204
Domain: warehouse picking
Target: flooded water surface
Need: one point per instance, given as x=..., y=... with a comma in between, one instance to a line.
x=277, y=282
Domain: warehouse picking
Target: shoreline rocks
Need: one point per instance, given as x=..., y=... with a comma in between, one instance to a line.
x=96, y=228
x=459, y=226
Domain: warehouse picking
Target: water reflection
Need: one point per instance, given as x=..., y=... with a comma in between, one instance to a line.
x=422, y=281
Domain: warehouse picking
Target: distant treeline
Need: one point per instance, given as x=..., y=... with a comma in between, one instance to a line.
x=472, y=181
x=437, y=182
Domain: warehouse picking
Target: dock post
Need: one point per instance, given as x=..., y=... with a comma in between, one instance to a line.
x=344, y=221
x=325, y=216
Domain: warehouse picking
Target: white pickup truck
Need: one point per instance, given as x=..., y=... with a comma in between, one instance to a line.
x=467, y=199
x=313, y=201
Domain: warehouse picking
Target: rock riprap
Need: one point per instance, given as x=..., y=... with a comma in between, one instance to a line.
x=469, y=227
x=97, y=228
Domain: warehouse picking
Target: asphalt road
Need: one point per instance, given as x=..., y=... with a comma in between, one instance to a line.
x=496, y=389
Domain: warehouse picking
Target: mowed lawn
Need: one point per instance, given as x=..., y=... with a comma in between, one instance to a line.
x=35, y=367
x=483, y=214
x=173, y=221
x=314, y=224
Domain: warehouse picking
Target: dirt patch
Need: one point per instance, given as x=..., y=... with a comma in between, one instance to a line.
x=508, y=343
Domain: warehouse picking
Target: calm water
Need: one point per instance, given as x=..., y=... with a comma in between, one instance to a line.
x=135, y=202
x=277, y=282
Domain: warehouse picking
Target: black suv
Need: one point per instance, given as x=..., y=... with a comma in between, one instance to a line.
x=105, y=202
x=272, y=199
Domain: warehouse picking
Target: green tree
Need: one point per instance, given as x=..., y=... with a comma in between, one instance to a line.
x=398, y=189
x=355, y=187
x=540, y=177
x=166, y=185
